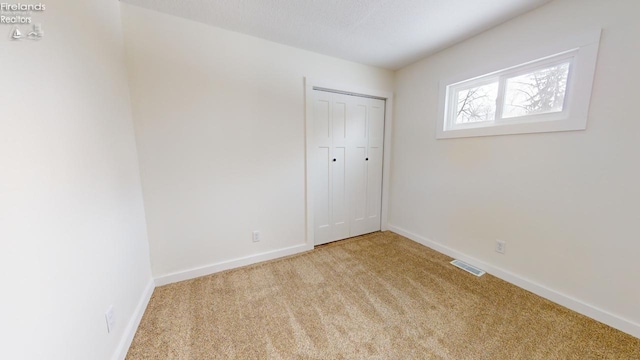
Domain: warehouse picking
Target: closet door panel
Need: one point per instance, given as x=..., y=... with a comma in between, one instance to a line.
x=348, y=138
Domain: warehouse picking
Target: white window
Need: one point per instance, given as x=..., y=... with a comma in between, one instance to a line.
x=547, y=94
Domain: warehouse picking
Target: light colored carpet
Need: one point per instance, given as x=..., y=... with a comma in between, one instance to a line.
x=378, y=296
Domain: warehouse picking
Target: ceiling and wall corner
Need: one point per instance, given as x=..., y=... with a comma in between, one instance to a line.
x=388, y=34
x=221, y=138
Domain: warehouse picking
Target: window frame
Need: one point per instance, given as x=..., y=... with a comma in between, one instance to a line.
x=582, y=61
x=452, y=101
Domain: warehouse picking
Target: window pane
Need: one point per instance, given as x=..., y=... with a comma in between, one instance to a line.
x=538, y=92
x=477, y=104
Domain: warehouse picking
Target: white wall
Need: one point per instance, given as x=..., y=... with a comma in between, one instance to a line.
x=72, y=227
x=567, y=204
x=220, y=128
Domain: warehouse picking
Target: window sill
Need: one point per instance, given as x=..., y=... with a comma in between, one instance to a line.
x=572, y=124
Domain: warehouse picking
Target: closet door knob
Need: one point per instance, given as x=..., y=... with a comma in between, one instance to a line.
x=334, y=160
x=367, y=159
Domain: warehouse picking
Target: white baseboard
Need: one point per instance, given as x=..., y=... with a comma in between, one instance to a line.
x=229, y=264
x=574, y=304
x=134, y=321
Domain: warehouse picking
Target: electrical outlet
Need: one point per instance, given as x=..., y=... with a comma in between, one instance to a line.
x=256, y=236
x=501, y=246
x=110, y=316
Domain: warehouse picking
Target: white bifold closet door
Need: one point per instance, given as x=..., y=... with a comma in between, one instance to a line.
x=348, y=134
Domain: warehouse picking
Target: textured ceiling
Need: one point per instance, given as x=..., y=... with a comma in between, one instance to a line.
x=384, y=33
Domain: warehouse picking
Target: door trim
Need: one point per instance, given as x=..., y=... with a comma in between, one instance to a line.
x=309, y=84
